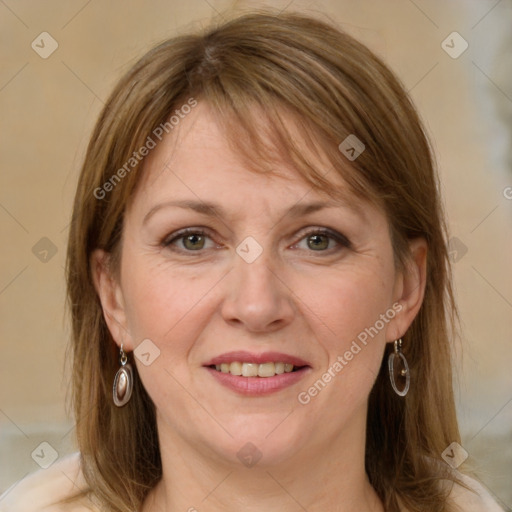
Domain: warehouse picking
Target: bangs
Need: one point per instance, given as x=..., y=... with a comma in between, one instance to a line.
x=267, y=133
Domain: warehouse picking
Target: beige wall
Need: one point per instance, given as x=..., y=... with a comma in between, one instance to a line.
x=49, y=107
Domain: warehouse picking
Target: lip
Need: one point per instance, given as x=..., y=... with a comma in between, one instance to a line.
x=258, y=386
x=243, y=356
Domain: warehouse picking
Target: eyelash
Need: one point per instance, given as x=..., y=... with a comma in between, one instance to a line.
x=179, y=235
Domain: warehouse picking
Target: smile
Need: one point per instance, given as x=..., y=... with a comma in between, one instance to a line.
x=254, y=374
x=252, y=384
x=254, y=369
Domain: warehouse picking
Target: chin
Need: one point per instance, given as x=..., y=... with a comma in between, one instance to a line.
x=265, y=444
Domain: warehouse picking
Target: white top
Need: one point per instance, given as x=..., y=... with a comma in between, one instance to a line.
x=39, y=491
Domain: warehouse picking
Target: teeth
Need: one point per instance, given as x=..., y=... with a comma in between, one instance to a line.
x=254, y=369
x=250, y=369
x=266, y=370
x=235, y=368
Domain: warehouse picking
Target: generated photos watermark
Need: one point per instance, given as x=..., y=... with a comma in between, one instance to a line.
x=144, y=150
x=304, y=397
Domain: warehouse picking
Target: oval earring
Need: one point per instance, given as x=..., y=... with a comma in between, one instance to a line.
x=123, y=381
x=404, y=372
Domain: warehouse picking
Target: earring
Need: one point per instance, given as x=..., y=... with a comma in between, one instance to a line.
x=403, y=373
x=123, y=381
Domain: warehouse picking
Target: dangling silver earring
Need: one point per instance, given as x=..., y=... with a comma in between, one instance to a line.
x=404, y=372
x=123, y=381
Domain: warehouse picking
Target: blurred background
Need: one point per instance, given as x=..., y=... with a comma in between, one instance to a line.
x=59, y=61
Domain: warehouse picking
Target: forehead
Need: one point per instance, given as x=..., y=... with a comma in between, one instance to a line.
x=196, y=162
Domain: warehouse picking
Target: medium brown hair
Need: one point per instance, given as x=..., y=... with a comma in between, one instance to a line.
x=265, y=66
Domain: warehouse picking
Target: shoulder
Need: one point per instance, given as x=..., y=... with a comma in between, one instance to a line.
x=478, y=499
x=470, y=497
x=44, y=490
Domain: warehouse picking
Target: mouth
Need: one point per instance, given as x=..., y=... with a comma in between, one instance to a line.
x=257, y=374
x=262, y=370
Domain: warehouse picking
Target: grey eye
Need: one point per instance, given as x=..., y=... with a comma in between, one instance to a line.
x=318, y=242
x=193, y=242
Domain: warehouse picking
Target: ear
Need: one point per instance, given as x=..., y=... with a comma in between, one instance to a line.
x=409, y=289
x=111, y=298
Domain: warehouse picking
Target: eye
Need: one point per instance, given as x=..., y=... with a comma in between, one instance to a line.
x=189, y=240
x=318, y=240
x=323, y=240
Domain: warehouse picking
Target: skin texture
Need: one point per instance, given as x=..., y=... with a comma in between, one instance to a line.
x=295, y=298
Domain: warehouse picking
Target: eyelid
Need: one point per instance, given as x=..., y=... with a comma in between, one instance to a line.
x=341, y=239
x=182, y=233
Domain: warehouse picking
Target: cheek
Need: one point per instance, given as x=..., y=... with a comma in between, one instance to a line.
x=345, y=303
x=169, y=307
x=160, y=298
x=348, y=313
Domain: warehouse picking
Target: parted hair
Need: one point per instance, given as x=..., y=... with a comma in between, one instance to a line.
x=252, y=71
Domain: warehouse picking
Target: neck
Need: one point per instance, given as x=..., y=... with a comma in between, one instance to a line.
x=314, y=479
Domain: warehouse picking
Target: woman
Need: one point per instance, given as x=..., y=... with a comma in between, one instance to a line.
x=259, y=287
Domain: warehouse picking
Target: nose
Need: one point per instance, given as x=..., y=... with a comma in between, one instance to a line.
x=258, y=298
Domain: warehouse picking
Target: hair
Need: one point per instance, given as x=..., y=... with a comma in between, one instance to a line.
x=256, y=72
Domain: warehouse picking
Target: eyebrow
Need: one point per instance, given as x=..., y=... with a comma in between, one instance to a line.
x=216, y=210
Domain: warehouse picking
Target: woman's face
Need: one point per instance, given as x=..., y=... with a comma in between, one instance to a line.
x=260, y=276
